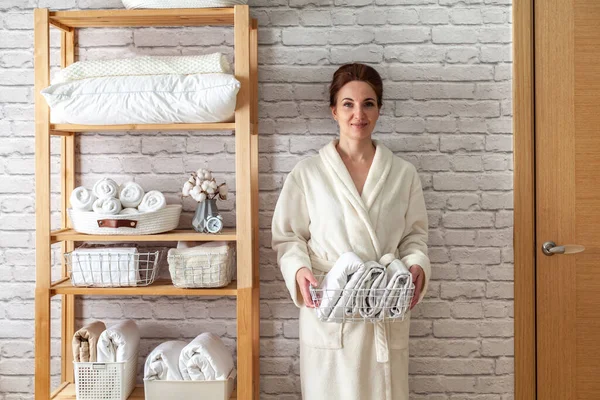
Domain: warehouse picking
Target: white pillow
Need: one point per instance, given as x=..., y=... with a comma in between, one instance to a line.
x=151, y=99
x=146, y=65
x=181, y=3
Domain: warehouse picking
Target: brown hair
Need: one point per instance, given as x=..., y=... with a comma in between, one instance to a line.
x=355, y=72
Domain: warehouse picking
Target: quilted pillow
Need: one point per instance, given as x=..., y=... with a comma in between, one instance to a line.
x=150, y=99
x=181, y=3
x=148, y=65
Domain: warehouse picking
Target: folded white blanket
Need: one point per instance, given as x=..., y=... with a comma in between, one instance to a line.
x=129, y=211
x=82, y=199
x=152, y=201
x=118, y=266
x=108, y=206
x=335, y=281
x=119, y=342
x=106, y=187
x=163, y=362
x=205, y=358
x=131, y=194
x=396, y=299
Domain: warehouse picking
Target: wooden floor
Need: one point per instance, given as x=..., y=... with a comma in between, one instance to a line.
x=68, y=393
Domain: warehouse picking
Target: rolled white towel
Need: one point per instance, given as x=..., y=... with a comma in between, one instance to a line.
x=205, y=358
x=109, y=206
x=106, y=188
x=131, y=194
x=129, y=211
x=119, y=343
x=82, y=199
x=152, y=201
x=163, y=362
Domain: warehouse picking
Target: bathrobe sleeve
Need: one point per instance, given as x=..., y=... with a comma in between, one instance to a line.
x=290, y=234
x=413, y=247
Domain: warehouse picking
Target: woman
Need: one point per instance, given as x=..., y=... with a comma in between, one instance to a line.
x=354, y=196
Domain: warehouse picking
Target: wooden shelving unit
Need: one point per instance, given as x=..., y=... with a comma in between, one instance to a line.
x=245, y=289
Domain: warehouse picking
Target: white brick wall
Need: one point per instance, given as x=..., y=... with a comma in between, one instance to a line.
x=447, y=69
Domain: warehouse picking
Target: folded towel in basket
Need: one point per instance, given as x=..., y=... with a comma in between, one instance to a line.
x=115, y=266
x=152, y=201
x=397, y=296
x=82, y=199
x=131, y=194
x=163, y=362
x=85, y=341
x=108, y=206
x=119, y=343
x=335, y=281
x=206, y=265
x=205, y=358
x=106, y=188
x=364, y=292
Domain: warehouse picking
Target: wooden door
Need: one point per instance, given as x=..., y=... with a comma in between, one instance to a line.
x=567, y=164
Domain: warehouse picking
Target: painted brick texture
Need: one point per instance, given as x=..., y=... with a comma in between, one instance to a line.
x=446, y=66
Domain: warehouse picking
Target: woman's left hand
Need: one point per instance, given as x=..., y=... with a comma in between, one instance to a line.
x=418, y=277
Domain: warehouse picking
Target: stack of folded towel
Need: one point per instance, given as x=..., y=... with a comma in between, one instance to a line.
x=96, y=343
x=107, y=266
x=204, y=358
x=107, y=197
x=353, y=288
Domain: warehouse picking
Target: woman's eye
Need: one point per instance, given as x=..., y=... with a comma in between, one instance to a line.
x=369, y=104
x=347, y=104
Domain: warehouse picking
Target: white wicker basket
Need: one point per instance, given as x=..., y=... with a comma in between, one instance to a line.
x=202, y=266
x=89, y=222
x=105, y=380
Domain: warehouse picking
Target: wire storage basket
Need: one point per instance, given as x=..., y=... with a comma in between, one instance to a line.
x=205, y=266
x=111, y=267
x=363, y=304
x=105, y=380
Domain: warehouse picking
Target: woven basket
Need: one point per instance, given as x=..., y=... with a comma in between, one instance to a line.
x=89, y=222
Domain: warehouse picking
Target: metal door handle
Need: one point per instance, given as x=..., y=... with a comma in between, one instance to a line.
x=550, y=249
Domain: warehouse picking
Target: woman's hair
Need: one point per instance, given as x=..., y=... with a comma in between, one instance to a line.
x=355, y=72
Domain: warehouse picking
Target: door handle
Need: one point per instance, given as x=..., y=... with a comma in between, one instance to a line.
x=550, y=249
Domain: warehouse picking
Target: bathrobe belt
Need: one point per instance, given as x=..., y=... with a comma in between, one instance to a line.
x=380, y=333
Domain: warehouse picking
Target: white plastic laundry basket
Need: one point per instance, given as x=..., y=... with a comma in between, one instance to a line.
x=105, y=381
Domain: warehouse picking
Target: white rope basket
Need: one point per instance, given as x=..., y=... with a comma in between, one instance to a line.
x=205, y=267
x=147, y=223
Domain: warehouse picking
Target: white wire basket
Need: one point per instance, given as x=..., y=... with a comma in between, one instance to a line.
x=105, y=380
x=202, y=268
x=362, y=305
x=104, y=268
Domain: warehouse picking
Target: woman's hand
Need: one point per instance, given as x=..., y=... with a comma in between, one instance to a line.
x=304, y=278
x=418, y=278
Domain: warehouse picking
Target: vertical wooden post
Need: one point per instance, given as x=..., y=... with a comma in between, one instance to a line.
x=255, y=231
x=42, y=205
x=68, y=40
x=245, y=281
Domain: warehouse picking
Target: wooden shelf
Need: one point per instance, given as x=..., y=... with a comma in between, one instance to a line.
x=66, y=20
x=67, y=392
x=227, y=234
x=161, y=287
x=58, y=129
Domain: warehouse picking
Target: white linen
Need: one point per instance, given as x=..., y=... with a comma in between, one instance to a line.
x=85, y=341
x=129, y=211
x=119, y=343
x=152, y=201
x=181, y=3
x=106, y=188
x=131, y=194
x=205, y=358
x=399, y=280
x=335, y=281
x=163, y=362
x=108, y=206
x=146, y=65
x=367, y=302
x=116, y=266
x=150, y=99
x=82, y=199
x=319, y=216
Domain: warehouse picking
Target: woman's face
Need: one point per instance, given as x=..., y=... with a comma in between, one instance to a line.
x=356, y=110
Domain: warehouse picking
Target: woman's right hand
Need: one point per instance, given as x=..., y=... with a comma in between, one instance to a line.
x=305, y=278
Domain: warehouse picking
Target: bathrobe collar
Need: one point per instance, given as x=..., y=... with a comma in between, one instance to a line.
x=378, y=172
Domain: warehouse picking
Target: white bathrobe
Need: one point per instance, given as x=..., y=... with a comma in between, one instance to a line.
x=318, y=217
